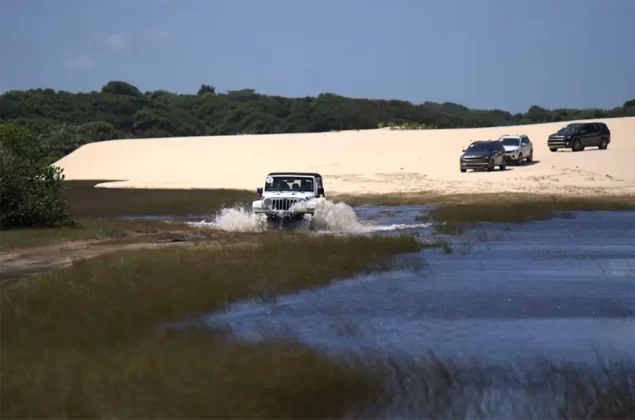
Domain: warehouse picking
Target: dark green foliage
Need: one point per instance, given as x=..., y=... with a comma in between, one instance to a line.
x=120, y=88
x=120, y=110
x=206, y=89
x=57, y=141
x=31, y=191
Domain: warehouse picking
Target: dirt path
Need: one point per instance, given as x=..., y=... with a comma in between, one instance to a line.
x=17, y=264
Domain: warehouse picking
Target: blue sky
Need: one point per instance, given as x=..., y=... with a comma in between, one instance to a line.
x=483, y=54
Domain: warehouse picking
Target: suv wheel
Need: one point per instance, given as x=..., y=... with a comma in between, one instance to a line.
x=577, y=145
x=603, y=144
x=463, y=170
x=553, y=149
x=520, y=160
x=530, y=158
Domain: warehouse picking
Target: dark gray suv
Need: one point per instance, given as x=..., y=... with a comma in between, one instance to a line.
x=483, y=154
x=577, y=136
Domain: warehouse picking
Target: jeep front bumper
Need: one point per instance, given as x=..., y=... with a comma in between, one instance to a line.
x=284, y=214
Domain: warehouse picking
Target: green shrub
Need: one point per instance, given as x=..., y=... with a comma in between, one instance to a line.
x=31, y=192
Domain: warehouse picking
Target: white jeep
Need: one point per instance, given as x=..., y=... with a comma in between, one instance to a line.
x=289, y=195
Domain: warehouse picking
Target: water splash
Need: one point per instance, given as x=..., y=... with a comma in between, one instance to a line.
x=336, y=217
x=236, y=219
x=329, y=217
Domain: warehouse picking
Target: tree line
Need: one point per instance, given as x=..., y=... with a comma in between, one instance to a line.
x=62, y=121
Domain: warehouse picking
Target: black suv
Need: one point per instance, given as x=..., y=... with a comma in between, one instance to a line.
x=577, y=136
x=483, y=154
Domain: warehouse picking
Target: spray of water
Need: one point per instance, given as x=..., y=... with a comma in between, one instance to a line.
x=236, y=219
x=329, y=217
x=336, y=217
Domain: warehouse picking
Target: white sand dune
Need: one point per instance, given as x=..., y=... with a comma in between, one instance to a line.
x=359, y=162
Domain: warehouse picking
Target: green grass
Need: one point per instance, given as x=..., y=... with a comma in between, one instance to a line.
x=456, y=216
x=95, y=208
x=86, y=341
x=596, y=202
x=99, y=229
x=89, y=202
x=92, y=205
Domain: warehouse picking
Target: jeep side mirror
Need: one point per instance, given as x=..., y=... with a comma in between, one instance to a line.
x=259, y=190
x=320, y=191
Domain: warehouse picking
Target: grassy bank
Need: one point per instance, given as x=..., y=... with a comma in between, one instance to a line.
x=617, y=202
x=124, y=231
x=456, y=214
x=86, y=341
x=89, y=202
x=95, y=209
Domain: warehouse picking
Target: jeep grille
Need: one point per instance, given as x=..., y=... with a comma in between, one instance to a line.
x=282, y=203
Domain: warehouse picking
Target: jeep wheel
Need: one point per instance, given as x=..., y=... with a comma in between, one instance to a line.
x=463, y=170
x=577, y=145
x=553, y=149
x=490, y=167
x=502, y=166
x=603, y=144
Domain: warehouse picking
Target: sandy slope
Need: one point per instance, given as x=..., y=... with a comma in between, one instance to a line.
x=367, y=161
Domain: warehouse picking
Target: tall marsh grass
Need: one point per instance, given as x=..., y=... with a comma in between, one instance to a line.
x=88, y=202
x=455, y=216
x=88, y=341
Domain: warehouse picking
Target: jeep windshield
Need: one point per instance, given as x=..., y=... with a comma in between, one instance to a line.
x=480, y=147
x=570, y=129
x=289, y=183
x=510, y=141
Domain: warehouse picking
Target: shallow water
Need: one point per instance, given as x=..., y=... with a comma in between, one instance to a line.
x=564, y=288
x=329, y=218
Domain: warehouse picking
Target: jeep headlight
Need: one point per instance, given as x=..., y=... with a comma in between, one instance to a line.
x=267, y=202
